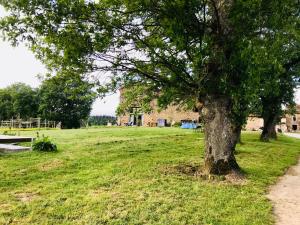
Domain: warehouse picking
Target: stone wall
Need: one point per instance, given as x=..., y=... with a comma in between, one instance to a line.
x=292, y=122
x=254, y=123
x=172, y=115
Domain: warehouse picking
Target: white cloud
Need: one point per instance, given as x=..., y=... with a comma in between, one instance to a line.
x=106, y=106
x=18, y=65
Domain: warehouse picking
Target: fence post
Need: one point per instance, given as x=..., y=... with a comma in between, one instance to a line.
x=39, y=123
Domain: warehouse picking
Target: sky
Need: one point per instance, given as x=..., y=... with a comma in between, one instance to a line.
x=18, y=64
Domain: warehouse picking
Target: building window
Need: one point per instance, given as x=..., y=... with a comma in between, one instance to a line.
x=135, y=110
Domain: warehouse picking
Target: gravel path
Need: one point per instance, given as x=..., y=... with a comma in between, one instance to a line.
x=295, y=135
x=285, y=195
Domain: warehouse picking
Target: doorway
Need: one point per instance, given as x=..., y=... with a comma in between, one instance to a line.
x=295, y=127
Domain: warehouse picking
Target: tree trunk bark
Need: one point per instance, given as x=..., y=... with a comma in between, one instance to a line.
x=269, y=130
x=221, y=136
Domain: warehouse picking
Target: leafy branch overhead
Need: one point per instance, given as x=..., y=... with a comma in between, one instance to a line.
x=202, y=45
x=210, y=53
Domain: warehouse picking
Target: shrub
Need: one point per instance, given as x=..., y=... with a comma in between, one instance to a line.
x=9, y=133
x=177, y=124
x=44, y=144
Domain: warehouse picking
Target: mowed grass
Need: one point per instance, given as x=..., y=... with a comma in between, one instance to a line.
x=131, y=176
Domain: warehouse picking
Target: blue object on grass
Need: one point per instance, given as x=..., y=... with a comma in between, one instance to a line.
x=188, y=125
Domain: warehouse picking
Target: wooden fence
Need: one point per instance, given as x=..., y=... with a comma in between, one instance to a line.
x=31, y=123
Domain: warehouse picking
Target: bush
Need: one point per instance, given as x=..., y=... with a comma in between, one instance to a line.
x=44, y=145
x=177, y=124
x=9, y=133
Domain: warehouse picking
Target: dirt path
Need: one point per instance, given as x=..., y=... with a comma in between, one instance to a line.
x=285, y=196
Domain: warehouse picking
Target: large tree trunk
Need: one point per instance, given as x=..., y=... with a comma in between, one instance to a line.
x=221, y=136
x=269, y=129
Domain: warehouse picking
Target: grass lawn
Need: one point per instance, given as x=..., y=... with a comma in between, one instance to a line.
x=134, y=176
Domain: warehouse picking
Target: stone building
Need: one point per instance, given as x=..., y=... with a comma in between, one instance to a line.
x=254, y=123
x=174, y=114
x=165, y=117
x=257, y=123
x=293, y=121
x=289, y=123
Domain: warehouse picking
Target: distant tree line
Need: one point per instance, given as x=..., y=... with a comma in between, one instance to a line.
x=101, y=120
x=65, y=98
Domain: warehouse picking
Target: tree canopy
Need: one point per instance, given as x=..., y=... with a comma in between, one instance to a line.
x=279, y=72
x=6, y=105
x=187, y=50
x=64, y=98
x=18, y=101
x=67, y=98
x=204, y=46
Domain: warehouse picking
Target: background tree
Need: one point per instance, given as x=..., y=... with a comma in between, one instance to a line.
x=277, y=92
x=101, y=120
x=25, y=100
x=18, y=101
x=6, y=105
x=279, y=73
x=67, y=98
x=187, y=50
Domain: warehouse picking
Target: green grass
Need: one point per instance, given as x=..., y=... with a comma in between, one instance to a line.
x=129, y=176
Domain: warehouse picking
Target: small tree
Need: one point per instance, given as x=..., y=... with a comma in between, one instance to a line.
x=67, y=98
